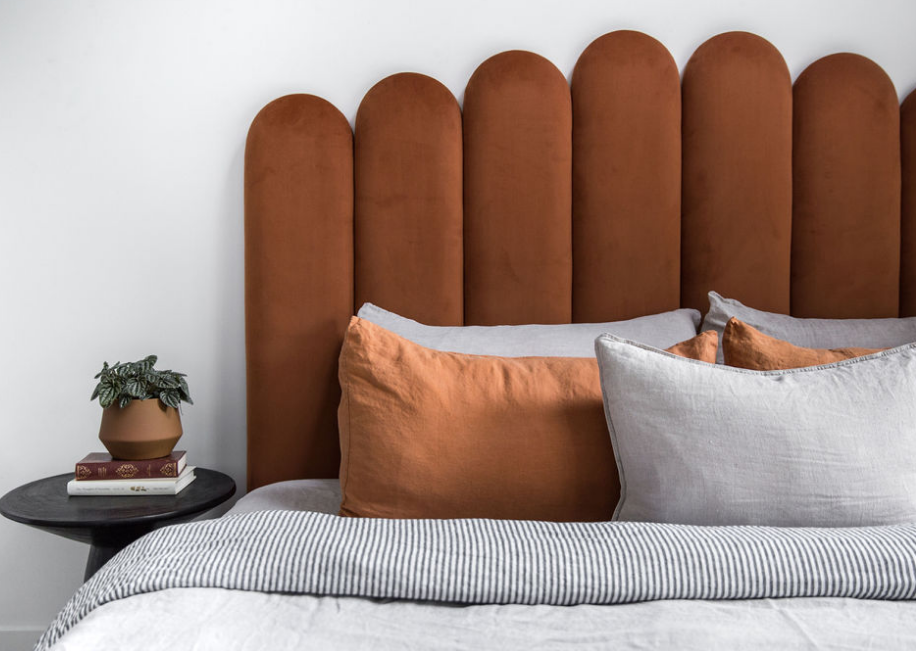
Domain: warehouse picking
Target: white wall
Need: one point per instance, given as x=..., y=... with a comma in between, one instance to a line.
x=122, y=127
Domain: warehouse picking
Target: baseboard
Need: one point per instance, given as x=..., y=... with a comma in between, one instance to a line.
x=19, y=638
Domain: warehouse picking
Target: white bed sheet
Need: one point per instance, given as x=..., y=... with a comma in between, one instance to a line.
x=321, y=495
x=170, y=620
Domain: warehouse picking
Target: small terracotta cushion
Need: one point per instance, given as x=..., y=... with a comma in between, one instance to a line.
x=431, y=434
x=746, y=347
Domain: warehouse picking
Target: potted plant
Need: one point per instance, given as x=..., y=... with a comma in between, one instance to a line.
x=140, y=418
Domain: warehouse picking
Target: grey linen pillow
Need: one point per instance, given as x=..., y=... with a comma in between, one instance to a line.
x=562, y=340
x=811, y=333
x=824, y=446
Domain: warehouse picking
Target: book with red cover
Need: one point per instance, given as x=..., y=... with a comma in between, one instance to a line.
x=100, y=465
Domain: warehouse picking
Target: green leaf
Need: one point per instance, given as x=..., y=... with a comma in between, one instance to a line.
x=140, y=381
x=107, y=395
x=170, y=398
x=139, y=367
x=103, y=371
x=166, y=381
x=95, y=392
x=146, y=364
x=135, y=387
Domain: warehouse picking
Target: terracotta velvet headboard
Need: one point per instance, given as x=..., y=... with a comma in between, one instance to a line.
x=627, y=192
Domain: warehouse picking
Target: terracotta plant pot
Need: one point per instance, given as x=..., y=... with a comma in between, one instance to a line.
x=144, y=429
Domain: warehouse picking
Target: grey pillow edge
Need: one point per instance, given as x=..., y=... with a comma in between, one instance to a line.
x=716, y=317
x=368, y=310
x=615, y=441
x=720, y=368
x=663, y=330
x=721, y=309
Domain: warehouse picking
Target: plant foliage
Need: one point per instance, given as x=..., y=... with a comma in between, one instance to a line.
x=121, y=383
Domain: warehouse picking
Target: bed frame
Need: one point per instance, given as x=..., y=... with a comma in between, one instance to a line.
x=626, y=192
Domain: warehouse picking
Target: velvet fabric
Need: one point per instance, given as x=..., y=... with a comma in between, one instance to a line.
x=736, y=222
x=626, y=102
x=846, y=201
x=298, y=284
x=408, y=222
x=517, y=192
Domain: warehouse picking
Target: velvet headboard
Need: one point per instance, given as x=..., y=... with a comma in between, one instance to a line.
x=627, y=192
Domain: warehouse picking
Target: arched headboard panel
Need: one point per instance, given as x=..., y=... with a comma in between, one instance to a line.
x=737, y=212
x=298, y=284
x=409, y=215
x=629, y=193
x=626, y=102
x=846, y=228
x=517, y=192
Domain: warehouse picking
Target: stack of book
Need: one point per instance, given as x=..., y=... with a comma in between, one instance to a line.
x=99, y=474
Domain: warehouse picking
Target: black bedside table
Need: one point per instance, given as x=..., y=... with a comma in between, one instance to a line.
x=110, y=523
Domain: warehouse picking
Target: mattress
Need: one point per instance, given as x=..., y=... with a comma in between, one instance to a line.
x=166, y=617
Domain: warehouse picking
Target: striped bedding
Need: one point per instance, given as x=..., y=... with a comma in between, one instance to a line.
x=502, y=562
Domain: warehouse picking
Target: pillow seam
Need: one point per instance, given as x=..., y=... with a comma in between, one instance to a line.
x=615, y=446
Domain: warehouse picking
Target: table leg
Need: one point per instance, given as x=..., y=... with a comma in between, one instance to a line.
x=107, y=544
x=98, y=556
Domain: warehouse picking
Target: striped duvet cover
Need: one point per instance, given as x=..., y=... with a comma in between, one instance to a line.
x=502, y=562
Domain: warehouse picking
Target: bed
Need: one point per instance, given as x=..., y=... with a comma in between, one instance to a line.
x=624, y=193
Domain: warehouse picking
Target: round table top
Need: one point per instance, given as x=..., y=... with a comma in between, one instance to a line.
x=45, y=503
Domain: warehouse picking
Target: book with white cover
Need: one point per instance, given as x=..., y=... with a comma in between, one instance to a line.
x=153, y=486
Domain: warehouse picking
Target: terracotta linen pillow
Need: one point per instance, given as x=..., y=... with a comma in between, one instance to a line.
x=432, y=434
x=746, y=347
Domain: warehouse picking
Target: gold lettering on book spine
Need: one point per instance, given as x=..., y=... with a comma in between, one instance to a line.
x=127, y=470
x=82, y=472
x=170, y=469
